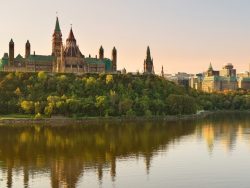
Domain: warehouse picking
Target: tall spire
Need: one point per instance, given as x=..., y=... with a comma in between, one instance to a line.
x=162, y=71
x=57, y=28
x=11, y=52
x=148, y=53
x=114, y=60
x=71, y=36
x=210, y=66
x=148, y=63
x=57, y=40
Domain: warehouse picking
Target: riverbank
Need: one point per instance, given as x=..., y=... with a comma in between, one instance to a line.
x=60, y=120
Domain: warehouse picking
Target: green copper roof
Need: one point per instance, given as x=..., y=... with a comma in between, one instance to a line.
x=57, y=28
x=245, y=79
x=220, y=78
x=19, y=58
x=41, y=58
x=107, y=62
x=4, y=61
x=5, y=56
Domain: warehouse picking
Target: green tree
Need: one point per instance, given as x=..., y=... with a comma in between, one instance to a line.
x=101, y=102
x=28, y=106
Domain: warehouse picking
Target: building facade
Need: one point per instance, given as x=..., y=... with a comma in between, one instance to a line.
x=64, y=58
x=220, y=80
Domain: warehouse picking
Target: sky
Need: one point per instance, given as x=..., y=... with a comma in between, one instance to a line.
x=183, y=35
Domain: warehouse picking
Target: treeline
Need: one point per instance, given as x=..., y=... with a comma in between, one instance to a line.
x=93, y=95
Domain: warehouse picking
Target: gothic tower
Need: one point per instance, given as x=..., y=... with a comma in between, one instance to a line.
x=101, y=53
x=114, y=60
x=148, y=63
x=162, y=72
x=57, y=40
x=61, y=62
x=27, y=49
x=11, y=52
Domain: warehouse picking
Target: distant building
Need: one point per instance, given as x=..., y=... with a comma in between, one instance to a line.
x=181, y=78
x=244, y=83
x=64, y=58
x=195, y=82
x=226, y=80
x=148, y=63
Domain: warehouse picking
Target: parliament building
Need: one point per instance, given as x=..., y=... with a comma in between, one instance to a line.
x=64, y=58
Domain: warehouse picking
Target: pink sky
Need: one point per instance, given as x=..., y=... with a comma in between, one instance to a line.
x=184, y=36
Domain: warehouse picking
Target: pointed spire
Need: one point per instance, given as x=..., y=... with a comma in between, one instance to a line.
x=57, y=27
x=210, y=66
x=71, y=35
x=148, y=53
x=162, y=71
x=11, y=41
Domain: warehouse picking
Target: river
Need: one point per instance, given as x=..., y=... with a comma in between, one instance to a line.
x=212, y=152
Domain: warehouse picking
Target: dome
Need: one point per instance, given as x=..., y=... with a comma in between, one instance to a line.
x=229, y=66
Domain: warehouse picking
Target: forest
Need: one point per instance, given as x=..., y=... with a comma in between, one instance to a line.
x=107, y=95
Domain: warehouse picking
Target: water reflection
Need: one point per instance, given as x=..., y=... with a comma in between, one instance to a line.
x=67, y=152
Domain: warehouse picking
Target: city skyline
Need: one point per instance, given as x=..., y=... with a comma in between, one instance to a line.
x=184, y=37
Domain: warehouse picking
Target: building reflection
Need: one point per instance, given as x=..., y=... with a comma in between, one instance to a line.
x=224, y=130
x=67, y=152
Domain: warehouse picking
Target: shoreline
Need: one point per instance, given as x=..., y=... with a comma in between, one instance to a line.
x=63, y=121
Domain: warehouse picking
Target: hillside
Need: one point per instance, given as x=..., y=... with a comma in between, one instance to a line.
x=92, y=95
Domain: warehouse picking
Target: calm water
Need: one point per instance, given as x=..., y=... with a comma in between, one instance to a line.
x=214, y=152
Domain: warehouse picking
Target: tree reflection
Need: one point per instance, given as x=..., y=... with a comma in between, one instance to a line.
x=67, y=151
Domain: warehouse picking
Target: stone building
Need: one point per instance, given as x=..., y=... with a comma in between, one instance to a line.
x=195, y=81
x=225, y=80
x=244, y=83
x=66, y=58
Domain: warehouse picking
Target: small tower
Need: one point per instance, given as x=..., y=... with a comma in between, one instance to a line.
x=162, y=72
x=114, y=60
x=148, y=63
x=210, y=71
x=57, y=40
x=27, y=49
x=11, y=52
x=101, y=53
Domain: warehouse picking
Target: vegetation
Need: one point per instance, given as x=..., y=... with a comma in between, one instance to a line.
x=92, y=95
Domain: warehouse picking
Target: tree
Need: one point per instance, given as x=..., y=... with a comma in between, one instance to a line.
x=28, y=106
x=125, y=105
x=180, y=105
x=101, y=102
x=109, y=79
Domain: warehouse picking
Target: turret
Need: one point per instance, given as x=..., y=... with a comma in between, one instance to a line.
x=114, y=60
x=162, y=72
x=101, y=53
x=27, y=49
x=11, y=52
x=148, y=63
x=57, y=40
